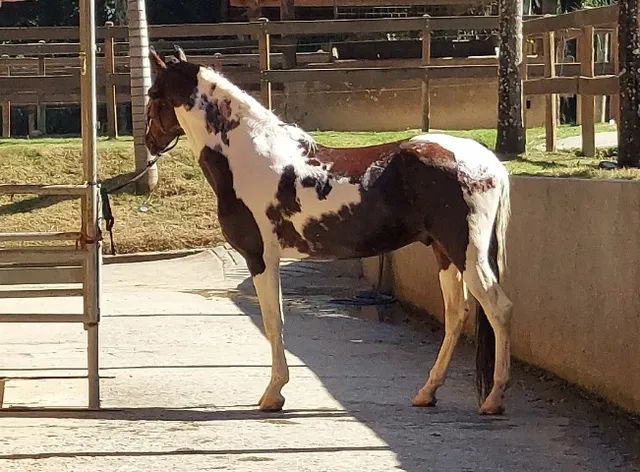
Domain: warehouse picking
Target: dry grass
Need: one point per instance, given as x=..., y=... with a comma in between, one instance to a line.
x=180, y=213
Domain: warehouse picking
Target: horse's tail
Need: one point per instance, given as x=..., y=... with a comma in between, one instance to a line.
x=485, y=340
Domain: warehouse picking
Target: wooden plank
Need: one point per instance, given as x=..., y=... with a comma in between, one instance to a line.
x=356, y=3
x=37, y=49
x=379, y=75
x=6, y=118
x=576, y=19
x=551, y=100
x=601, y=85
x=587, y=102
x=545, y=86
x=40, y=275
x=425, y=90
x=615, y=59
x=41, y=293
x=41, y=318
x=38, y=236
x=196, y=30
x=42, y=255
x=61, y=190
x=41, y=83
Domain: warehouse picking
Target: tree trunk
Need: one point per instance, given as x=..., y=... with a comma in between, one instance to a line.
x=140, y=84
x=629, y=53
x=120, y=17
x=511, y=136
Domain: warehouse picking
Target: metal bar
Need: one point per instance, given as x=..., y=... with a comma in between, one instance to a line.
x=110, y=88
x=36, y=236
x=265, y=63
x=41, y=255
x=60, y=190
x=40, y=275
x=41, y=318
x=91, y=286
x=41, y=293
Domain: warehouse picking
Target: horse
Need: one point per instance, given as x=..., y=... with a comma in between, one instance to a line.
x=280, y=194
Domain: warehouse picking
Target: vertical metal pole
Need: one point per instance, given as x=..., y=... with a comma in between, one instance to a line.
x=91, y=286
x=426, y=60
x=265, y=63
x=110, y=89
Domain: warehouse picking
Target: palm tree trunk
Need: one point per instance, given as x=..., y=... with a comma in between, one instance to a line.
x=140, y=84
x=629, y=51
x=511, y=137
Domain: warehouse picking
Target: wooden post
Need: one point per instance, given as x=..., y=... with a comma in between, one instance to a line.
x=90, y=229
x=31, y=121
x=551, y=100
x=426, y=60
x=110, y=88
x=615, y=59
x=265, y=63
x=587, y=69
x=287, y=13
x=6, y=119
x=41, y=108
x=524, y=74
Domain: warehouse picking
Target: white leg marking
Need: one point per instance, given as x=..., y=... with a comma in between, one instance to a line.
x=455, y=314
x=483, y=284
x=269, y=293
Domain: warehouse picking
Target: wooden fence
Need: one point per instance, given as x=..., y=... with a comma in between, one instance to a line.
x=267, y=63
x=581, y=25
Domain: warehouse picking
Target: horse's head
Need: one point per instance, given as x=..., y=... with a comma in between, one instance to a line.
x=174, y=84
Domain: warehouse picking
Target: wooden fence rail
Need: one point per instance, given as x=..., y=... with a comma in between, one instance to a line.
x=268, y=66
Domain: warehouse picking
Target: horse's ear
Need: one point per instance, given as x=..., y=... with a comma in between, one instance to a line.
x=157, y=62
x=180, y=55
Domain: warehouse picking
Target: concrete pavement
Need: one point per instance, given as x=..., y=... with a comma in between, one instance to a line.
x=184, y=363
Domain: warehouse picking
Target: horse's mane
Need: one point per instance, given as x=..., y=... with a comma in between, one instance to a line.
x=260, y=118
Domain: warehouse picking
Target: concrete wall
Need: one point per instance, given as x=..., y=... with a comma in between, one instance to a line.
x=455, y=104
x=574, y=277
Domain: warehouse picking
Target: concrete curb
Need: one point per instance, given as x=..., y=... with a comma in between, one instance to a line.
x=151, y=256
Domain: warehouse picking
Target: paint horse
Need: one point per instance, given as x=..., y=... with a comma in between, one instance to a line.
x=282, y=195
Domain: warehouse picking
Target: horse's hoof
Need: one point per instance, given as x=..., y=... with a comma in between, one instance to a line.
x=424, y=400
x=272, y=404
x=490, y=408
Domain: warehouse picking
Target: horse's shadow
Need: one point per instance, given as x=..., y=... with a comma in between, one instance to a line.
x=372, y=369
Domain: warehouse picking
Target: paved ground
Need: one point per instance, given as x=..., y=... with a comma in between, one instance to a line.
x=603, y=140
x=184, y=362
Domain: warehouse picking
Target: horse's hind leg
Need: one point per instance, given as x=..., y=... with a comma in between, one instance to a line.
x=267, y=286
x=455, y=314
x=483, y=285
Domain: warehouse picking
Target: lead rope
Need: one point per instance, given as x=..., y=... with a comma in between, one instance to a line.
x=107, y=213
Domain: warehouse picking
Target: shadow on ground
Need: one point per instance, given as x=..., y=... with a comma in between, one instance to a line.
x=372, y=360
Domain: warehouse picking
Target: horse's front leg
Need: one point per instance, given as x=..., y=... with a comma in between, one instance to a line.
x=270, y=297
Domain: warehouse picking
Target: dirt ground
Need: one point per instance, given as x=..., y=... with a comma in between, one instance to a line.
x=184, y=363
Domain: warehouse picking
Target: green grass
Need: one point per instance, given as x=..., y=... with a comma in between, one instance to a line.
x=180, y=212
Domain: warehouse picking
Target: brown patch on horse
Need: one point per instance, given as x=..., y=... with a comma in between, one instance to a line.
x=431, y=152
x=352, y=162
x=238, y=224
x=218, y=116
